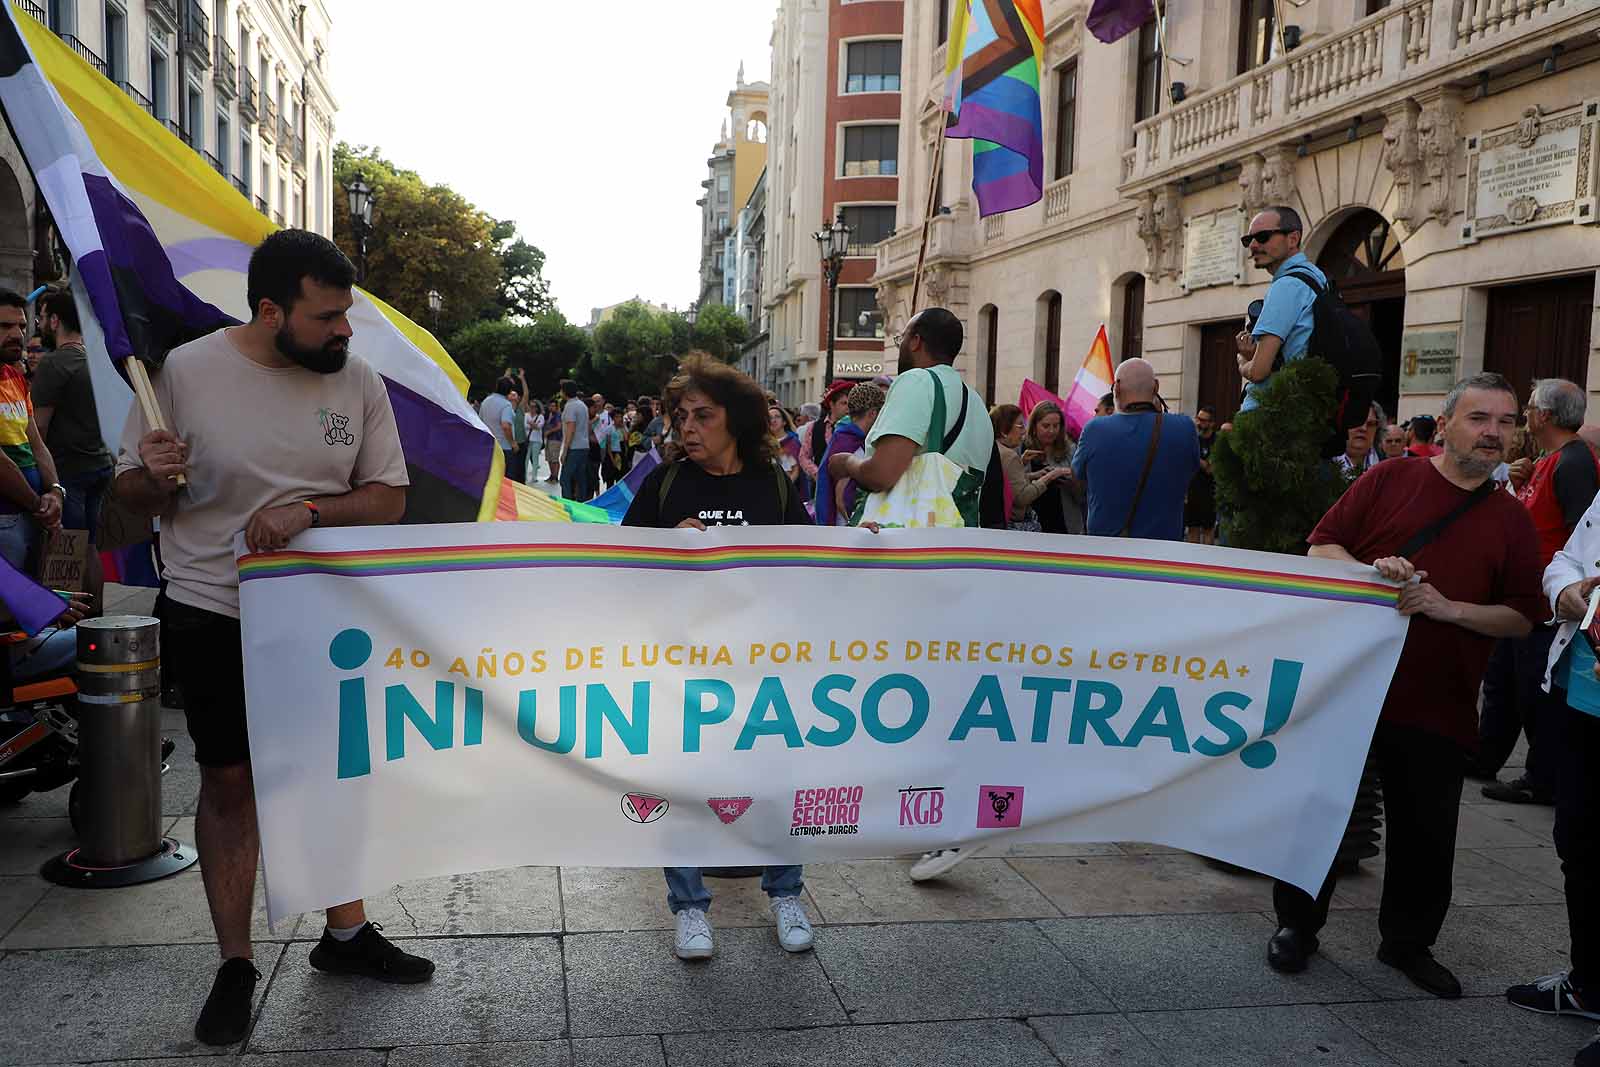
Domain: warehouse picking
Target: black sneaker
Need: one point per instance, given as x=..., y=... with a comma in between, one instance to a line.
x=1517, y=791
x=226, y=1017
x=1553, y=994
x=371, y=955
x=1424, y=971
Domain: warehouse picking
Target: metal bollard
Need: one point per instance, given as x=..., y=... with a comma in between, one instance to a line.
x=119, y=756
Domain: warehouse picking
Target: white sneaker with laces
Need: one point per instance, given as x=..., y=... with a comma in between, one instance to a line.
x=693, y=941
x=940, y=861
x=794, y=926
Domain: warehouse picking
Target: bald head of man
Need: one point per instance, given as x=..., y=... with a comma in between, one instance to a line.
x=1135, y=383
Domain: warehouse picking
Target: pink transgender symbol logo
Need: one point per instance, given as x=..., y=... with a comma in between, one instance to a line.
x=729, y=809
x=999, y=807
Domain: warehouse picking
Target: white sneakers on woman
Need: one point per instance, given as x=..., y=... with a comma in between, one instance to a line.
x=693, y=940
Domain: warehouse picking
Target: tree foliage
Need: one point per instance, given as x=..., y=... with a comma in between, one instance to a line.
x=1273, y=484
x=547, y=349
x=430, y=237
x=635, y=351
x=721, y=331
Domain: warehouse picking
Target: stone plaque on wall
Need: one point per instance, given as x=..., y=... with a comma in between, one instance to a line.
x=1539, y=172
x=1428, y=361
x=1211, y=251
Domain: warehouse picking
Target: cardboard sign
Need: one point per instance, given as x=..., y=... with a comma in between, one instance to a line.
x=66, y=561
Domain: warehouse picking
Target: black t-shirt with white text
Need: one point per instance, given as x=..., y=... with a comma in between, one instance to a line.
x=748, y=498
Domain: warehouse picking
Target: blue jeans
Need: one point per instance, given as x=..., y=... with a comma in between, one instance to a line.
x=575, y=475
x=19, y=541
x=686, y=889
x=81, y=509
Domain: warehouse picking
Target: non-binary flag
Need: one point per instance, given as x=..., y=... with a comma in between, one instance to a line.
x=1112, y=20
x=992, y=97
x=1092, y=382
x=160, y=244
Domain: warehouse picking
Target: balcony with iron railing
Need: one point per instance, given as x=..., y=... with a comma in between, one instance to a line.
x=216, y=164
x=1380, y=60
x=277, y=216
x=285, y=137
x=243, y=189
x=269, y=118
x=224, y=68
x=35, y=10
x=84, y=52
x=196, y=35
x=139, y=98
x=261, y=205
x=249, y=98
x=298, y=156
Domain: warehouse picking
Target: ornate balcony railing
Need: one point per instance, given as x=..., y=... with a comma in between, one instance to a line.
x=249, y=98
x=1382, y=56
x=285, y=137
x=269, y=118
x=1057, y=198
x=195, y=39
x=261, y=205
x=83, y=50
x=216, y=164
x=139, y=98
x=224, y=68
x=36, y=11
x=244, y=190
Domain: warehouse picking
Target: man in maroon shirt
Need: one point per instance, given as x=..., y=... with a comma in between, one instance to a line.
x=1476, y=580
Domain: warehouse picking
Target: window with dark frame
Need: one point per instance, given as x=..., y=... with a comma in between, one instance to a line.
x=869, y=224
x=1066, y=117
x=871, y=150
x=872, y=67
x=1052, y=344
x=116, y=31
x=1257, y=26
x=991, y=354
x=944, y=21
x=1147, y=96
x=858, y=303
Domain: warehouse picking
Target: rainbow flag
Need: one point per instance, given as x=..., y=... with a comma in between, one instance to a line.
x=1092, y=382
x=996, y=51
x=160, y=244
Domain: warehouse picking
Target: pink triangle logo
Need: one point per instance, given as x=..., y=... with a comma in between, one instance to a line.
x=643, y=807
x=728, y=809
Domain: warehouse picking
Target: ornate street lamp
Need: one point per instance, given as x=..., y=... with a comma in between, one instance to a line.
x=832, y=242
x=435, y=305
x=692, y=314
x=361, y=198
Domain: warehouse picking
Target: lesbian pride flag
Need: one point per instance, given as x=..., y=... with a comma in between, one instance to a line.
x=1092, y=382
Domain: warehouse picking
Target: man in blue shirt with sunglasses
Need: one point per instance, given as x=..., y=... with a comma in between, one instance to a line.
x=1285, y=324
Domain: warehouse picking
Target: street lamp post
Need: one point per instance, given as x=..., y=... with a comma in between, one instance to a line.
x=435, y=305
x=361, y=197
x=833, y=242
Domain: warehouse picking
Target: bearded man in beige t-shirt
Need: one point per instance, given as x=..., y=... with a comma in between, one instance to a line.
x=313, y=443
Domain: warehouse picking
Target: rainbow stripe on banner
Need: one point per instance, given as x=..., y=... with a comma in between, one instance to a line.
x=384, y=562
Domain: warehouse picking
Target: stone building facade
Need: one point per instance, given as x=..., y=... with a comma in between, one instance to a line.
x=246, y=85
x=735, y=164
x=1442, y=153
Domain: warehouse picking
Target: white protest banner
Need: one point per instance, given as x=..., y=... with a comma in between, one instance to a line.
x=429, y=700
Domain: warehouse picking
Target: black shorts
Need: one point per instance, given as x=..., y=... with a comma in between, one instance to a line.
x=204, y=657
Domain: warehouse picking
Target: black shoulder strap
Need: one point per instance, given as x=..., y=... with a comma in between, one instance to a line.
x=783, y=489
x=1429, y=534
x=961, y=419
x=1309, y=279
x=1144, y=475
x=666, y=486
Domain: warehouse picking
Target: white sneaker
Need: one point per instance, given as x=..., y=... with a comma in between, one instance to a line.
x=794, y=927
x=693, y=941
x=941, y=861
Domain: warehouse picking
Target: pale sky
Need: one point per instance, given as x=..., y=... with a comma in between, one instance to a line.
x=588, y=123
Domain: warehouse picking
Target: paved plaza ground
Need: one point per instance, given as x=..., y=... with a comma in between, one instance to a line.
x=1110, y=954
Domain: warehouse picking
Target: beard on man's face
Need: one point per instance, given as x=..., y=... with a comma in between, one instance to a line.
x=325, y=359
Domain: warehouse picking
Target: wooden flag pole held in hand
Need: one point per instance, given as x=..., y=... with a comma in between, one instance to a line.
x=927, y=214
x=139, y=378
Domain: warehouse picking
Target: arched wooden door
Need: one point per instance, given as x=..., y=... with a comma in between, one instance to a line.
x=1364, y=259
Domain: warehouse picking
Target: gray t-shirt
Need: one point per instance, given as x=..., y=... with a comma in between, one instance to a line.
x=495, y=411
x=577, y=413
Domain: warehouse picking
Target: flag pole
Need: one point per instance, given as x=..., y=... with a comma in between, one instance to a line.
x=139, y=378
x=1165, y=88
x=927, y=212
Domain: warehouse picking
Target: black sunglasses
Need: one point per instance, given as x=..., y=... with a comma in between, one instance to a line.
x=1260, y=237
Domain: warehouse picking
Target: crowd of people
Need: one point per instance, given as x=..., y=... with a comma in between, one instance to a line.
x=1486, y=516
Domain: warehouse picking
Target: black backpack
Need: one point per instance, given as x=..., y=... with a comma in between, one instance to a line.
x=1346, y=343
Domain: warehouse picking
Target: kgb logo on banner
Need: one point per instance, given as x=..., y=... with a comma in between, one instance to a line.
x=922, y=805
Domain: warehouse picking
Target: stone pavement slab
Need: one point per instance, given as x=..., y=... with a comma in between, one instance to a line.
x=1488, y=948
x=631, y=983
x=1539, y=820
x=1498, y=826
x=1143, y=885
x=1481, y=877
x=17, y=897
x=1299, y=1034
x=172, y=911
x=635, y=898
x=327, y=1058
x=485, y=989
x=1008, y=852
x=1168, y=962
x=904, y=973
x=585, y=1052
x=73, y=1005
x=25, y=844
x=1473, y=1032
x=882, y=891
x=517, y=900
x=1097, y=1041
x=991, y=1041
